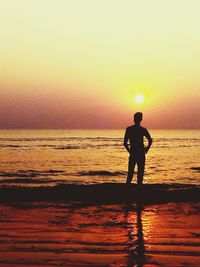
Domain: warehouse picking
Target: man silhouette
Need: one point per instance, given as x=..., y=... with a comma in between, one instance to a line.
x=133, y=142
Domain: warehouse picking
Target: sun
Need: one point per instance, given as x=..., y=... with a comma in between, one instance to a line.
x=139, y=98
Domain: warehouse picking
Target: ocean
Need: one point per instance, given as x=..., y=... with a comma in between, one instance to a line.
x=32, y=158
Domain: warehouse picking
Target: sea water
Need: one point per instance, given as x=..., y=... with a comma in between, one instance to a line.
x=52, y=157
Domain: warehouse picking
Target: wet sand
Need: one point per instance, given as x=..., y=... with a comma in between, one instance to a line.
x=61, y=233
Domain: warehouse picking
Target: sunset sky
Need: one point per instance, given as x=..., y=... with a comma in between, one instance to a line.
x=81, y=63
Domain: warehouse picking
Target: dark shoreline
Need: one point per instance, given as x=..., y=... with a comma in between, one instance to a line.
x=104, y=193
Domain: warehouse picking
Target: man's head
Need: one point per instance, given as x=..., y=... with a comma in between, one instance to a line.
x=138, y=117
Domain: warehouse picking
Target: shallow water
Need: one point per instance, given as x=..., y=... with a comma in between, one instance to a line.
x=73, y=234
x=50, y=157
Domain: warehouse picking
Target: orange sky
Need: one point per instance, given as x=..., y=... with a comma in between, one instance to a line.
x=80, y=64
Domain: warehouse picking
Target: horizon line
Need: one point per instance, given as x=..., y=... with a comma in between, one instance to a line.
x=98, y=129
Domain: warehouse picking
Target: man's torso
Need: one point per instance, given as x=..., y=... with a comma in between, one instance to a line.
x=136, y=135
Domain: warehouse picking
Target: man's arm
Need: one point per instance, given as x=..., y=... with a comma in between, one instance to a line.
x=126, y=144
x=148, y=137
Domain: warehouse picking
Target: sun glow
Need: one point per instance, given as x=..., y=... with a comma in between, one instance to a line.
x=139, y=98
x=67, y=64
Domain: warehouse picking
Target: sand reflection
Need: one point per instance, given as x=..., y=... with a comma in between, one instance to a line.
x=135, y=234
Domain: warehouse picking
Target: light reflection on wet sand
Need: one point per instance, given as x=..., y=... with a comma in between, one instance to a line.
x=63, y=234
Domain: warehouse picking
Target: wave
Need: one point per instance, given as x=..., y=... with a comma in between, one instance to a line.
x=105, y=193
x=101, y=173
x=195, y=169
x=68, y=147
x=62, y=147
x=14, y=146
x=89, y=146
x=30, y=173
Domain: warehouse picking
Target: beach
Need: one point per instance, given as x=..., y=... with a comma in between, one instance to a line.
x=64, y=201
x=99, y=133
x=84, y=234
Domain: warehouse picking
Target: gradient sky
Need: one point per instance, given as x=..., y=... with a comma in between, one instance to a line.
x=80, y=63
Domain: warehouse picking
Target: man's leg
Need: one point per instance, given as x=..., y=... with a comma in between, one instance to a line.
x=131, y=167
x=141, y=166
